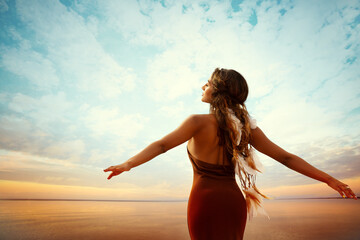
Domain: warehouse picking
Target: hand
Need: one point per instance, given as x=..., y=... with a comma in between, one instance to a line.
x=116, y=170
x=342, y=188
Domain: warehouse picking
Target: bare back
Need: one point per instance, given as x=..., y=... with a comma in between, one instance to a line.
x=204, y=145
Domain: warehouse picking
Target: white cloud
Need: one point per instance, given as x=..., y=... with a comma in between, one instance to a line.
x=30, y=65
x=292, y=119
x=43, y=111
x=192, y=52
x=337, y=156
x=73, y=47
x=11, y=160
x=125, y=16
x=54, y=127
x=41, y=126
x=19, y=134
x=174, y=110
x=71, y=150
x=34, y=168
x=102, y=121
x=170, y=79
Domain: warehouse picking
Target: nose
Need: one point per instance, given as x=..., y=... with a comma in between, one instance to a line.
x=203, y=87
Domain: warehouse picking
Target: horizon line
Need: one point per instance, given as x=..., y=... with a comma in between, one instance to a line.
x=150, y=200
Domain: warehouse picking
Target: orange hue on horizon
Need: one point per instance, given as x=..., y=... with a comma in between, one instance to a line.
x=16, y=189
x=312, y=190
x=31, y=190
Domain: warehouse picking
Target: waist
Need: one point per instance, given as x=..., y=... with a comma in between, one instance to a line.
x=214, y=176
x=217, y=185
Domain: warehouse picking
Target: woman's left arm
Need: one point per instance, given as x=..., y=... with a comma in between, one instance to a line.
x=180, y=135
x=267, y=147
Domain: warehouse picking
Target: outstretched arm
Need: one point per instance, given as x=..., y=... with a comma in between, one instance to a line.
x=180, y=135
x=265, y=146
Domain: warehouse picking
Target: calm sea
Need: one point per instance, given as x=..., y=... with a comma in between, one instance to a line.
x=290, y=220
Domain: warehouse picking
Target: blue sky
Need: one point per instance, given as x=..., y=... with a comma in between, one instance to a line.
x=87, y=84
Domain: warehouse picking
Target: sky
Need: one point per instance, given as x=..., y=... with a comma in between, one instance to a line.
x=88, y=84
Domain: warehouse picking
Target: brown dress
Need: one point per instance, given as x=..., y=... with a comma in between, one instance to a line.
x=216, y=207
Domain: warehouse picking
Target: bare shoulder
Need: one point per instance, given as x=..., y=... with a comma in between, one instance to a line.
x=206, y=125
x=203, y=118
x=204, y=143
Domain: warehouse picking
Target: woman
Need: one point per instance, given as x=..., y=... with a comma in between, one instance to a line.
x=220, y=145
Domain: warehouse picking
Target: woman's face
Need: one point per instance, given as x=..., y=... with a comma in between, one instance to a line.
x=208, y=89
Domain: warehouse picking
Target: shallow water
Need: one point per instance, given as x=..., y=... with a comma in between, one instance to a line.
x=290, y=219
x=328, y=219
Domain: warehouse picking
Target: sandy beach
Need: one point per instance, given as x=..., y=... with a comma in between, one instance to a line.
x=290, y=219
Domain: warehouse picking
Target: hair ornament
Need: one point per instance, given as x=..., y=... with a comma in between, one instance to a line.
x=248, y=166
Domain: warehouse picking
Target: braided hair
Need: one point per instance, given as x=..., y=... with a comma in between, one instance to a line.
x=230, y=91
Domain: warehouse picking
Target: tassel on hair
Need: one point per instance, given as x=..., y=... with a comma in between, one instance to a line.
x=248, y=166
x=254, y=203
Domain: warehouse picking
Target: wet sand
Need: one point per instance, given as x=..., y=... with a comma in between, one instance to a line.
x=290, y=219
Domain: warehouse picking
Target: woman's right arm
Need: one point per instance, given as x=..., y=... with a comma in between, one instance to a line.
x=183, y=133
x=267, y=147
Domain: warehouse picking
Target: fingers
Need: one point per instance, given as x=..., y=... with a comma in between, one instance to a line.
x=341, y=190
x=350, y=194
x=111, y=175
x=115, y=171
x=346, y=190
x=111, y=168
x=341, y=194
x=353, y=194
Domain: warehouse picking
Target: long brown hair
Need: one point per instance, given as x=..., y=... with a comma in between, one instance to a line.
x=230, y=91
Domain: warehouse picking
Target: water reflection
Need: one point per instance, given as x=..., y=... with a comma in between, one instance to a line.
x=290, y=219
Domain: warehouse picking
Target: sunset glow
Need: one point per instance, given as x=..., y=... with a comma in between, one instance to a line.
x=88, y=84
